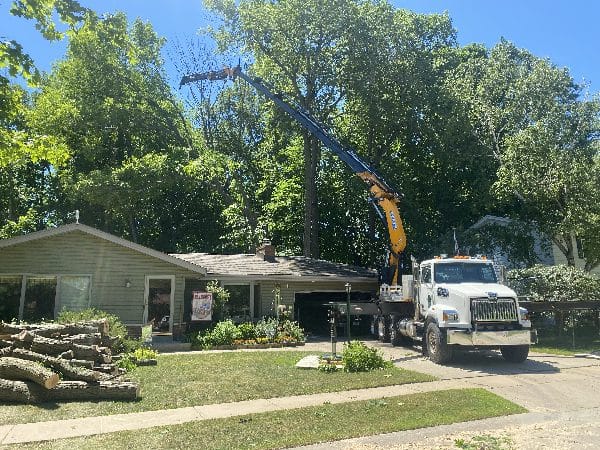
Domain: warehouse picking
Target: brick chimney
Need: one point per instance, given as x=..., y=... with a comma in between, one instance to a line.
x=266, y=251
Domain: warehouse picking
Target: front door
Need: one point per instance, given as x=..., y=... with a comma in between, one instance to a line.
x=159, y=301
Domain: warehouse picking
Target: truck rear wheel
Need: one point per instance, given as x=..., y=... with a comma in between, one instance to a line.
x=437, y=348
x=383, y=328
x=515, y=353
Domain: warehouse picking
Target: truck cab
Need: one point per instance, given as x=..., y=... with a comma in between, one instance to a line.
x=460, y=302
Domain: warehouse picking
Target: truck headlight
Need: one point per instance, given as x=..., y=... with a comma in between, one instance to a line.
x=442, y=292
x=523, y=313
x=450, y=315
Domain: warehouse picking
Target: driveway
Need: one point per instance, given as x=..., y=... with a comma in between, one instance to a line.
x=562, y=394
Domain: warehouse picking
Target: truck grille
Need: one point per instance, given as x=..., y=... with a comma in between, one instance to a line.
x=485, y=309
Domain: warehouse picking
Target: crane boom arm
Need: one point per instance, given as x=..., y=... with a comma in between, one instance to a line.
x=384, y=197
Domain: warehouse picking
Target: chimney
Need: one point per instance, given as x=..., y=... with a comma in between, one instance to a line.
x=266, y=251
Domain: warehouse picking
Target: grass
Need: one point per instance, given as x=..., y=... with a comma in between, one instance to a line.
x=201, y=379
x=309, y=425
x=564, y=345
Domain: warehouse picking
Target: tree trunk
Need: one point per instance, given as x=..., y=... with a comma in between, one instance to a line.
x=49, y=346
x=63, y=366
x=27, y=392
x=310, y=243
x=19, y=369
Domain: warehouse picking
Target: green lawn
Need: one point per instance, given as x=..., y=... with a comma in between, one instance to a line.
x=307, y=425
x=564, y=345
x=200, y=379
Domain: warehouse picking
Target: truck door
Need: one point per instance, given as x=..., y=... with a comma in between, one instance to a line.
x=426, y=297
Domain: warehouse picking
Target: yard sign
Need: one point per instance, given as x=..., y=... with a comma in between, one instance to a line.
x=201, y=305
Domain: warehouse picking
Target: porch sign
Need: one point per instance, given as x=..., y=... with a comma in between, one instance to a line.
x=201, y=305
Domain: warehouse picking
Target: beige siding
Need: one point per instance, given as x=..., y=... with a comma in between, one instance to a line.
x=108, y=264
x=288, y=291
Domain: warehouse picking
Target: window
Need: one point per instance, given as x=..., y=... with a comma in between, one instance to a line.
x=10, y=298
x=40, y=298
x=460, y=272
x=238, y=306
x=74, y=292
x=426, y=274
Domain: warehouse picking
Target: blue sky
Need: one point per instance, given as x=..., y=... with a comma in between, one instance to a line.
x=565, y=31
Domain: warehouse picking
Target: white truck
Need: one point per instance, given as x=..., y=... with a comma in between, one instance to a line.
x=453, y=303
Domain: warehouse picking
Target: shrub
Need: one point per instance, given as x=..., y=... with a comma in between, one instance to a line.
x=224, y=333
x=126, y=362
x=145, y=353
x=554, y=283
x=246, y=331
x=266, y=328
x=289, y=330
x=357, y=357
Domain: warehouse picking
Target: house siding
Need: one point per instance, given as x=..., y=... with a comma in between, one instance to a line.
x=108, y=264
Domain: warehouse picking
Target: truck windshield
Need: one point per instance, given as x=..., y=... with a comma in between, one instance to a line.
x=462, y=272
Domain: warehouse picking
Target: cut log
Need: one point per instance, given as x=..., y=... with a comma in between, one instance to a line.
x=4, y=343
x=17, y=391
x=24, y=336
x=110, y=369
x=19, y=369
x=82, y=363
x=10, y=328
x=84, y=339
x=27, y=392
x=101, y=355
x=49, y=346
x=66, y=355
x=79, y=328
x=63, y=366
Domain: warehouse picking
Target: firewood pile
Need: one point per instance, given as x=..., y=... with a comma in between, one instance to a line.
x=52, y=362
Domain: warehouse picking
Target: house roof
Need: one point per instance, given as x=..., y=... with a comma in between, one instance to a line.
x=72, y=227
x=293, y=268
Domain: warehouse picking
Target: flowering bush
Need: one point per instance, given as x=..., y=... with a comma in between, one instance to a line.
x=265, y=331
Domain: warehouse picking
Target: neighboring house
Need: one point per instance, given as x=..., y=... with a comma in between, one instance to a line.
x=75, y=266
x=544, y=249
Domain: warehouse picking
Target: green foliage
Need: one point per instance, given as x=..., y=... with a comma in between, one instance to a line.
x=267, y=328
x=358, y=357
x=224, y=333
x=126, y=362
x=290, y=330
x=555, y=283
x=145, y=353
x=485, y=442
x=220, y=298
x=264, y=331
x=246, y=331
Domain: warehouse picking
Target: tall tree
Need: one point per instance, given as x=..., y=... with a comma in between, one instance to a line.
x=528, y=115
x=109, y=102
x=295, y=46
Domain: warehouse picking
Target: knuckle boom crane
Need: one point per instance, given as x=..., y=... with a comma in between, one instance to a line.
x=447, y=303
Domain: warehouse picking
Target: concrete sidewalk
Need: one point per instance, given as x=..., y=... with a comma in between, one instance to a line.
x=86, y=426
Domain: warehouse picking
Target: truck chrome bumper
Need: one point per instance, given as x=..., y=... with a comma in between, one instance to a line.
x=511, y=337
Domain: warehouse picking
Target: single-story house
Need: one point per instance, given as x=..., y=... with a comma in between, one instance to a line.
x=75, y=266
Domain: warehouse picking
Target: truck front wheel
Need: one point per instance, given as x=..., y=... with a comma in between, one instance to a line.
x=515, y=353
x=437, y=348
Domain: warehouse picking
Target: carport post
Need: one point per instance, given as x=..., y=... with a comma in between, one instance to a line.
x=348, y=289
